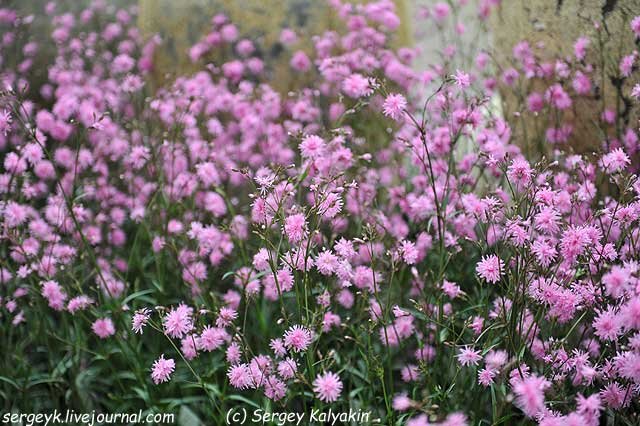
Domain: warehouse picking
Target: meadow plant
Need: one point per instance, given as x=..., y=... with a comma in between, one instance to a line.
x=375, y=240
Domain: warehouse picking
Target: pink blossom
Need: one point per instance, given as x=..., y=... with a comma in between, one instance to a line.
x=312, y=146
x=490, y=268
x=635, y=26
x=580, y=48
x=462, y=79
x=103, y=328
x=357, y=86
x=300, y=61
x=298, y=338
x=240, y=376
x=178, y=321
x=140, y=319
x=530, y=394
x=295, y=227
x=394, y=106
x=468, y=356
x=486, y=376
x=327, y=387
x=162, y=370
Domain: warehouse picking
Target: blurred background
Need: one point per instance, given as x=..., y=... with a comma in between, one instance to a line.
x=551, y=25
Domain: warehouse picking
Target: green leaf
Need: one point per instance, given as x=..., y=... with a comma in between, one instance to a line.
x=44, y=380
x=143, y=394
x=10, y=381
x=137, y=294
x=243, y=399
x=186, y=417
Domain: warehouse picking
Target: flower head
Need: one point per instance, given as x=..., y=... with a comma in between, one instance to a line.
x=394, y=106
x=462, y=79
x=295, y=226
x=327, y=387
x=468, y=356
x=140, y=319
x=490, y=268
x=5, y=121
x=103, y=328
x=178, y=321
x=298, y=338
x=162, y=369
x=530, y=394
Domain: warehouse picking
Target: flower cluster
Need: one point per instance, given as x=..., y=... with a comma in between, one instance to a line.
x=382, y=234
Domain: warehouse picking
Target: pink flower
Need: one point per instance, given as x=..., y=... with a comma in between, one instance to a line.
x=287, y=368
x=635, y=26
x=616, y=281
x=402, y=402
x=162, y=369
x=140, y=319
x=240, y=376
x=409, y=252
x=277, y=345
x=5, y=122
x=547, y=220
x=212, y=338
x=189, y=347
x=628, y=364
x=327, y=387
x=274, y=388
x=288, y=36
x=455, y=419
x=295, y=226
x=581, y=83
x=54, y=294
x=530, y=394
x=462, y=79
x=615, y=161
x=535, y=102
x=103, y=328
x=440, y=11
x=178, y=321
x=312, y=147
x=626, y=65
x=485, y=377
x=420, y=420
x=544, y=251
x=630, y=314
x=608, y=116
x=300, y=61
x=607, y=325
x=451, y=289
x=556, y=96
x=615, y=396
x=574, y=241
x=590, y=405
x=298, y=338
x=357, y=86
x=490, y=268
x=580, y=48
x=468, y=356
x=79, y=303
x=226, y=316
x=329, y=320
x=233, y=353
x=326, y=262
x=394, y=106
x=520, y=172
